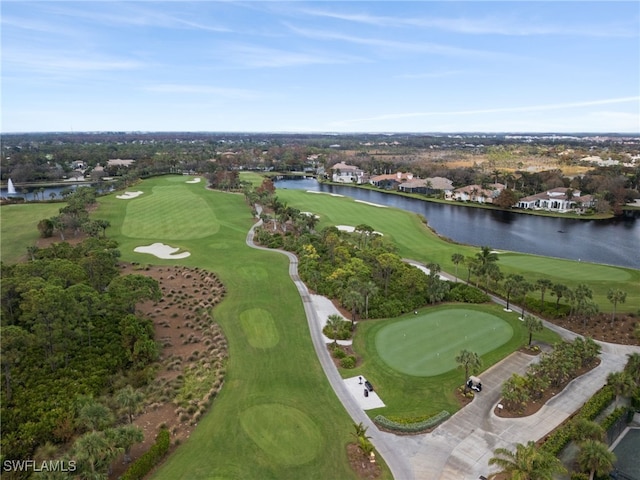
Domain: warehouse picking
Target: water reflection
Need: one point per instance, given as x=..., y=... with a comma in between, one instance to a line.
x=614, y=242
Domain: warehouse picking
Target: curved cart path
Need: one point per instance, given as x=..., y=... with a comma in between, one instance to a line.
x=460, y=448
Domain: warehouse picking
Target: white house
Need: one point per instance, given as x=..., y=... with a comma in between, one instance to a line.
x=344, y=173
x=557, y=200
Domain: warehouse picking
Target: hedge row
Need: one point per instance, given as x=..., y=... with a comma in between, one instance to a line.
x=150, y=459
x=561, y=437
x=417, y=427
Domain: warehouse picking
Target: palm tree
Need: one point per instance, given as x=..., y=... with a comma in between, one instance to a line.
x=595, y=457
x=532, y=324
x=622, y=384
x=354, y=301
x=457, y=258
x=528, y=462
x=559, y=290
x=511, y=285
x=126, y=437
x=94, y=415
x=486, y=258
x=469, y=361
x=334, y=322
x=615, y=296
x=367, y=289
x=584, y=429
x=129, y=400
x=543, y=284
x=525, y=287
x=632, y=368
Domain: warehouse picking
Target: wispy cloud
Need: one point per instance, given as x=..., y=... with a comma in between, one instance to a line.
x=523, y=109
x=225, y=92
x=394, y=45
x=441, y=74
x=487, y=25
x=135, y=15
x=65, y=62
x=251, y=56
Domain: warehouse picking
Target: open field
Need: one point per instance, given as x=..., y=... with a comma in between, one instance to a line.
x=415, y=241
x=19, y=227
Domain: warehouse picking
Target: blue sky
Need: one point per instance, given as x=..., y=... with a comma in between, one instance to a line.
x=363, y=66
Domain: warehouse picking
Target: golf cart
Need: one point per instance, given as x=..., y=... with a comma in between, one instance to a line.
x=474, y=383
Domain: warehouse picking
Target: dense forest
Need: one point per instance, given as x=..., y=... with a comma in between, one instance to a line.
x=74, y=351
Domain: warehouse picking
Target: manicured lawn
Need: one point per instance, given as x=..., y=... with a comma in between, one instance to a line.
x=276, y=416
x=426, y=345
x=19, y=227
x=417, y=242
x=412, y=395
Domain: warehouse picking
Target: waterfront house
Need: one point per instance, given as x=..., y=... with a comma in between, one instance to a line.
x=344, y=173
x=391, y=181
x=427, y=186
x=477, y=193
x=557, y=200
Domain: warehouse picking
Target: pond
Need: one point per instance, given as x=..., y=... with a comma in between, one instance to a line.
x=613, y=241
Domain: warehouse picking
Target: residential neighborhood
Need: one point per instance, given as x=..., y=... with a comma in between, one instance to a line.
x=559, y=199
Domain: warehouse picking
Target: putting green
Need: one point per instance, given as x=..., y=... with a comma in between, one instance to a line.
x=259, y=327
x=286, y=434
x=169, y=213
x=426, y=345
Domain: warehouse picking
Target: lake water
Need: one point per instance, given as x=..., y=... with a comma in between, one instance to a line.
x=614, y=242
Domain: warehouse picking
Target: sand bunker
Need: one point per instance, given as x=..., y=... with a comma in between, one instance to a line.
x=309, y=214
x=161, y=250
x=326, y=193
x=129, y=195
x=195, y=180
x=350, y=229
x=372, y=204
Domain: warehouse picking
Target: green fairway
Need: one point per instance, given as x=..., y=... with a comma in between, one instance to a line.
x=169, y=212
x=276, y=416
x=19, y=227
x=415, y=241
x=426, y=345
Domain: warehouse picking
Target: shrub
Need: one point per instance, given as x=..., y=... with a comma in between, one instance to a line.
x=339, y=353
x=348, y=362
x=150, y=459
x=417, y=427
x=461, y=292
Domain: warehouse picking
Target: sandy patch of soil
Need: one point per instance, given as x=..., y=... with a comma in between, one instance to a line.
x=193, y=347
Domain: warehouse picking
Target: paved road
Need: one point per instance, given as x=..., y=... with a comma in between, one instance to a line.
x=460, y=448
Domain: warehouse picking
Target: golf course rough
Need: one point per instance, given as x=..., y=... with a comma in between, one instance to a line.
x=426, y=345
x=287, y=435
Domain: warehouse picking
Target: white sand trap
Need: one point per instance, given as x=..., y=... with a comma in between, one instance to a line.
x=195, y=180
x=309, y=214
x=326, y=193
x=356, y=389
x=372, y=204
x=350, y=229
x=129, y=195
x=161, y=250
